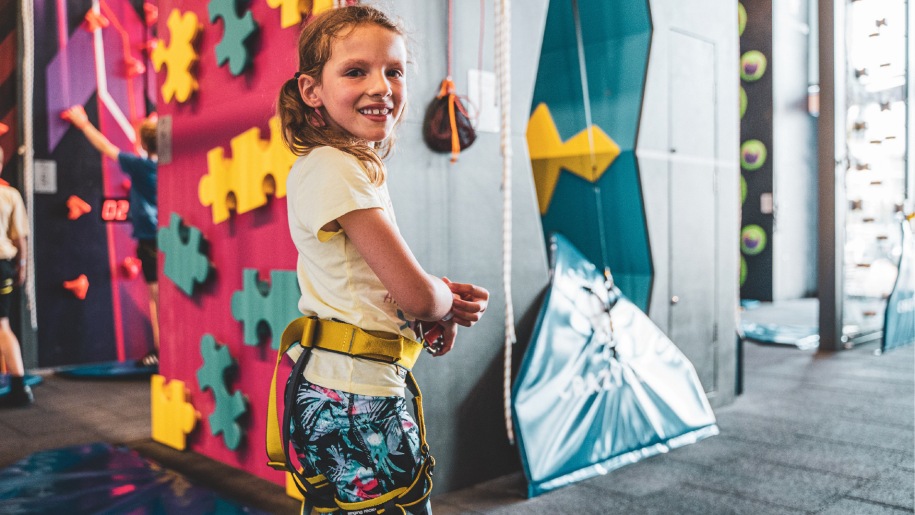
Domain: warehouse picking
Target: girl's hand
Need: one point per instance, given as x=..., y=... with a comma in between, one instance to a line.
x=448, y=337
x=76, y=115
x=470, y=301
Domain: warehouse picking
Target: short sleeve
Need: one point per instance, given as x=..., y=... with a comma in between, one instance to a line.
x=329, y=184
x=129, y=163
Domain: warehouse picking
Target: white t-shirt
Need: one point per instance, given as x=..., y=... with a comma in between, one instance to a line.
x=13, y=218
x=335, y=280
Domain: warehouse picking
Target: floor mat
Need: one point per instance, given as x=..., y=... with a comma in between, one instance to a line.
x=101, y=478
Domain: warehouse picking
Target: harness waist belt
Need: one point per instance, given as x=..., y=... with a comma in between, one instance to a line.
x=354, y=341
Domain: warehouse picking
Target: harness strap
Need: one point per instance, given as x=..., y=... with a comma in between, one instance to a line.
x=347, y=339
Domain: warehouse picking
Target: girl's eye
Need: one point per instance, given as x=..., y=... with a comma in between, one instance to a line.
x=395, y=73
x=355, y=72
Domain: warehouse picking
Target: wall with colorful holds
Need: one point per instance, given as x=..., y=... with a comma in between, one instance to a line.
x=756, y=154
x=92, y=58
x=228, y=286
x=777, y=152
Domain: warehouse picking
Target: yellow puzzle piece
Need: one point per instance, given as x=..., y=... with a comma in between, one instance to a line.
x=179, y=56
x=291, y=489
x=291, y=11
x=172, y=416
x=550, y=155
x=257, y=168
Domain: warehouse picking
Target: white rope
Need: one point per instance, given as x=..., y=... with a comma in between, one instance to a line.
x=503, y=69
x=28, y=146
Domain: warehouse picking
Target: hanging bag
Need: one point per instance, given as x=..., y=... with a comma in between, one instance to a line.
x=447, y=126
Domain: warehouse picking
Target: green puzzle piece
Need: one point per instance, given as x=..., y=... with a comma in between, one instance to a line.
x=212, y=375
x=186, y=262
x=238, y=31
x=274, y=304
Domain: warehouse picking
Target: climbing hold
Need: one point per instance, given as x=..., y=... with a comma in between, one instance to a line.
x=257, y=168
x=237, y=34
x=134, y=67
x=216, y=361
x=131, y=267
x=95, y=21
x=259, y=304
x=151, y=13
x=179, y=56
x=172, y=416
x=186, y=263
x=77, y=206
x=79, y=286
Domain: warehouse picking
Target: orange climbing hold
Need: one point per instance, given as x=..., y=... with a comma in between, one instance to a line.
x=77, y=206
x=95, y=21
x=78, y=286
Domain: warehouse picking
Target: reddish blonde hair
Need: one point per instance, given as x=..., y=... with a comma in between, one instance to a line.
x=315, y=45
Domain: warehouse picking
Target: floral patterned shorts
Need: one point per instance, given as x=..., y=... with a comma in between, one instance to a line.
x=366, y=446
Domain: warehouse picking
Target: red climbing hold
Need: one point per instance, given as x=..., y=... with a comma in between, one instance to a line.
x=78, y=286
x=77, y=206
x=131, y=266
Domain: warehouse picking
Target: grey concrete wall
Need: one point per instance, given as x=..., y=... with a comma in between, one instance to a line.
x=700, y=318
x=451, y=215
x=794, y=156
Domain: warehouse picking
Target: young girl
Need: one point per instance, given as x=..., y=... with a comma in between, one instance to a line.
x=339, y=112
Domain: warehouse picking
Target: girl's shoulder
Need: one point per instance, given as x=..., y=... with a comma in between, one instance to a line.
x=331, y=154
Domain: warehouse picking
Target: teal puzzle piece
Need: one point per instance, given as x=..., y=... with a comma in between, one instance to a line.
x=259, y=305
x=235, y=39
x=216, y=361
x=186, y=262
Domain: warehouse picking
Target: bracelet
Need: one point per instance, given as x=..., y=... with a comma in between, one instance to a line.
x=448, y=317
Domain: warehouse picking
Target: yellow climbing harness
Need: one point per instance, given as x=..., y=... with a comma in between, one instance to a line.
x=346, y=339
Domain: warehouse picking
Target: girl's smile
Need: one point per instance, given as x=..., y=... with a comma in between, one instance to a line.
x=362, y=89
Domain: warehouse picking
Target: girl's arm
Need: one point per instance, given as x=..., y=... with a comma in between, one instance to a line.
x=420, y=295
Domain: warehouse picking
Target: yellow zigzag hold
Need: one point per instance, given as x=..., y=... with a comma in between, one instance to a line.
x=256, y=169
x=179, y=56
x=172, y=416
x=550, y=155
x=291, y=11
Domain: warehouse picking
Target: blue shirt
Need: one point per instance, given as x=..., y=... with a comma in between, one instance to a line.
x=143, y=194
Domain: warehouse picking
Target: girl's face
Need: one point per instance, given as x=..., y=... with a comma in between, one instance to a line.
x=363, y=87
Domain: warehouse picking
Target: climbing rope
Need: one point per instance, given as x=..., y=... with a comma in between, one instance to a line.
x=28, y=146
x=503, y=70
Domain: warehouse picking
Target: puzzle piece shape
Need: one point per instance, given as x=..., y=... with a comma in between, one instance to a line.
x=257, y=168
x=186, y=263
x=274, y=304
x=291, y=11
x=229, y=406
x=237, y=33
x=173, y=418
x=180, y=56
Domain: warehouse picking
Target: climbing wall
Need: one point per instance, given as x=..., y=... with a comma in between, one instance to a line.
x=90, y=55
x=756, y=155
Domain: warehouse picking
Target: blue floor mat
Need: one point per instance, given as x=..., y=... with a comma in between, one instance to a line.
x=5, y=382
x=100, y=478
x=802, y=337
x=119, y=369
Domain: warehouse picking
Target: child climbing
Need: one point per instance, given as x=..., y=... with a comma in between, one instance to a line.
x=143, y=204
x=358, y=277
